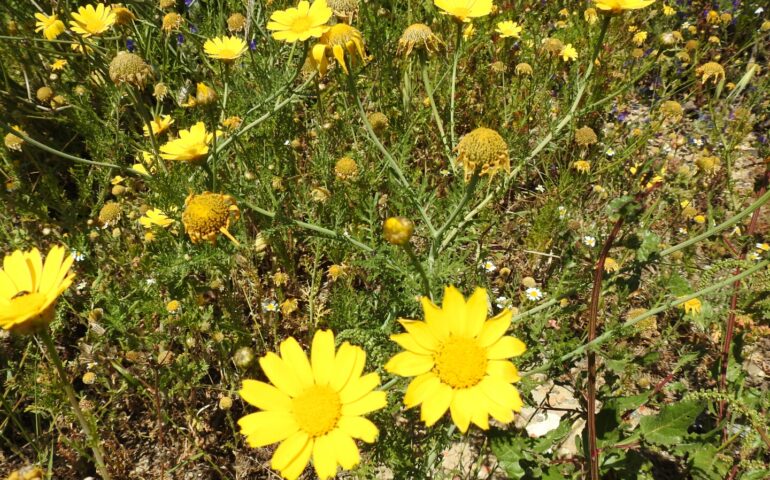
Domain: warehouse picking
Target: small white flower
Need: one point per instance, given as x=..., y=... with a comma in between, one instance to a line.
x=488, y=266
x=753, y=256
x=533, y=294
x=562, y=211
x=759, y=11
x=151, y=281
x=589, y=241
x=697, y=142
x=77, y=256
x=540, y=188
x=682, y=230
x=269, y=306
x=610, y=152
x=501, y=301
x=287, y=143
x=81, y=286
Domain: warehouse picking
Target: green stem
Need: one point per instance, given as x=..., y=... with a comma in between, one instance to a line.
x=388, y=157
x=649, y=313
x=455, y=59
x=312, y=227
x=718, y=228
x=469, y=190
x=418, y=266
x=58, y=153
x=93, y=438
x=434, y=109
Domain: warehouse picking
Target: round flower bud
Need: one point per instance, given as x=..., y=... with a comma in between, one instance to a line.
x=129, y=68
x=89, y=378
x=243, y=357
x=225, y=403
x=378, y=121
x=346, y=169
x=236, y=22
x=44, y=94
x=398, y=230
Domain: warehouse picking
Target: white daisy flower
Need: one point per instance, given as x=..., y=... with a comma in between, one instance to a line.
x=589, y=241
x=533, y=294
x=269, y=306
x=488, y=266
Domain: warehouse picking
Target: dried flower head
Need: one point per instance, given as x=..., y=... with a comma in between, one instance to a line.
x=129, y=68
x=236, y=22
x=671, y=110
x=110, y=214
x=171, y=21
x=378, y=121
x=346, y=169
x=14, y=142
x=523, y=69
x=420, y=38
x=484, y=150
x=208, y=214
x=585, y=136
x=711, y=70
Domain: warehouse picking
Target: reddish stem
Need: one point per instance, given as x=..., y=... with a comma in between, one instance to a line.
x=730, y=329
x=593, y=461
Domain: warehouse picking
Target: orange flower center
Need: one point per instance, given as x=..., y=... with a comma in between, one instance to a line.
x=460, y=362
x=317, y=410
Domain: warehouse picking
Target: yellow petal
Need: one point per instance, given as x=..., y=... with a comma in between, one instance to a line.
x=280, y=375
x=7, y=287
x=35, y=263
x=297, y=361
x=435, y=319
x=324, y=457
x=359, y=427
x=368, y=403
x=506, y=347
x=461, y=409
x=15, y=265
x=408, y=342
x=264, y=396
x=408, y=364
x=480, y=413
x=322, y=356
x=504, y=370
x=453, y=308
x=347, y=454
x=264, y=428
x=349, y=363
x=436, y=405
x=421, y=333
x=339, y=55
x=501, y=393
x=288, y=451
x=476, y=312
x=358, y=387
x=297, y=465
x=495, y=328
x=420, y=388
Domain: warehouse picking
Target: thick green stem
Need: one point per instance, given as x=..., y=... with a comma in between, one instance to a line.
x=434, y=110
x=455, y=59
x=388, y=157
x=58, y=153
x=93, y=438
x=312, y=227
x=418, y=266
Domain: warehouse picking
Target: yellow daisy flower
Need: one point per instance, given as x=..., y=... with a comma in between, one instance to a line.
x=225, y=49
x=29, y=288
x=617, y=6
x=90, y=20
x=159, y=125
x=692, y=306
x=335, y=42
x=58, y=64
x=299, y=24
x=459, y=359
x=314, y=407
x=465, y=10
x=191, y=146
x=51, y=26
x=509, y=29
x=568, y=53
x=208, y=214
x=155, y=217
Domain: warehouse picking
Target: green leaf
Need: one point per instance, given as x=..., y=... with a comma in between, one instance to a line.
x=708, y=464
x=509, y=451
x=650, y=243
x=670, y=426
